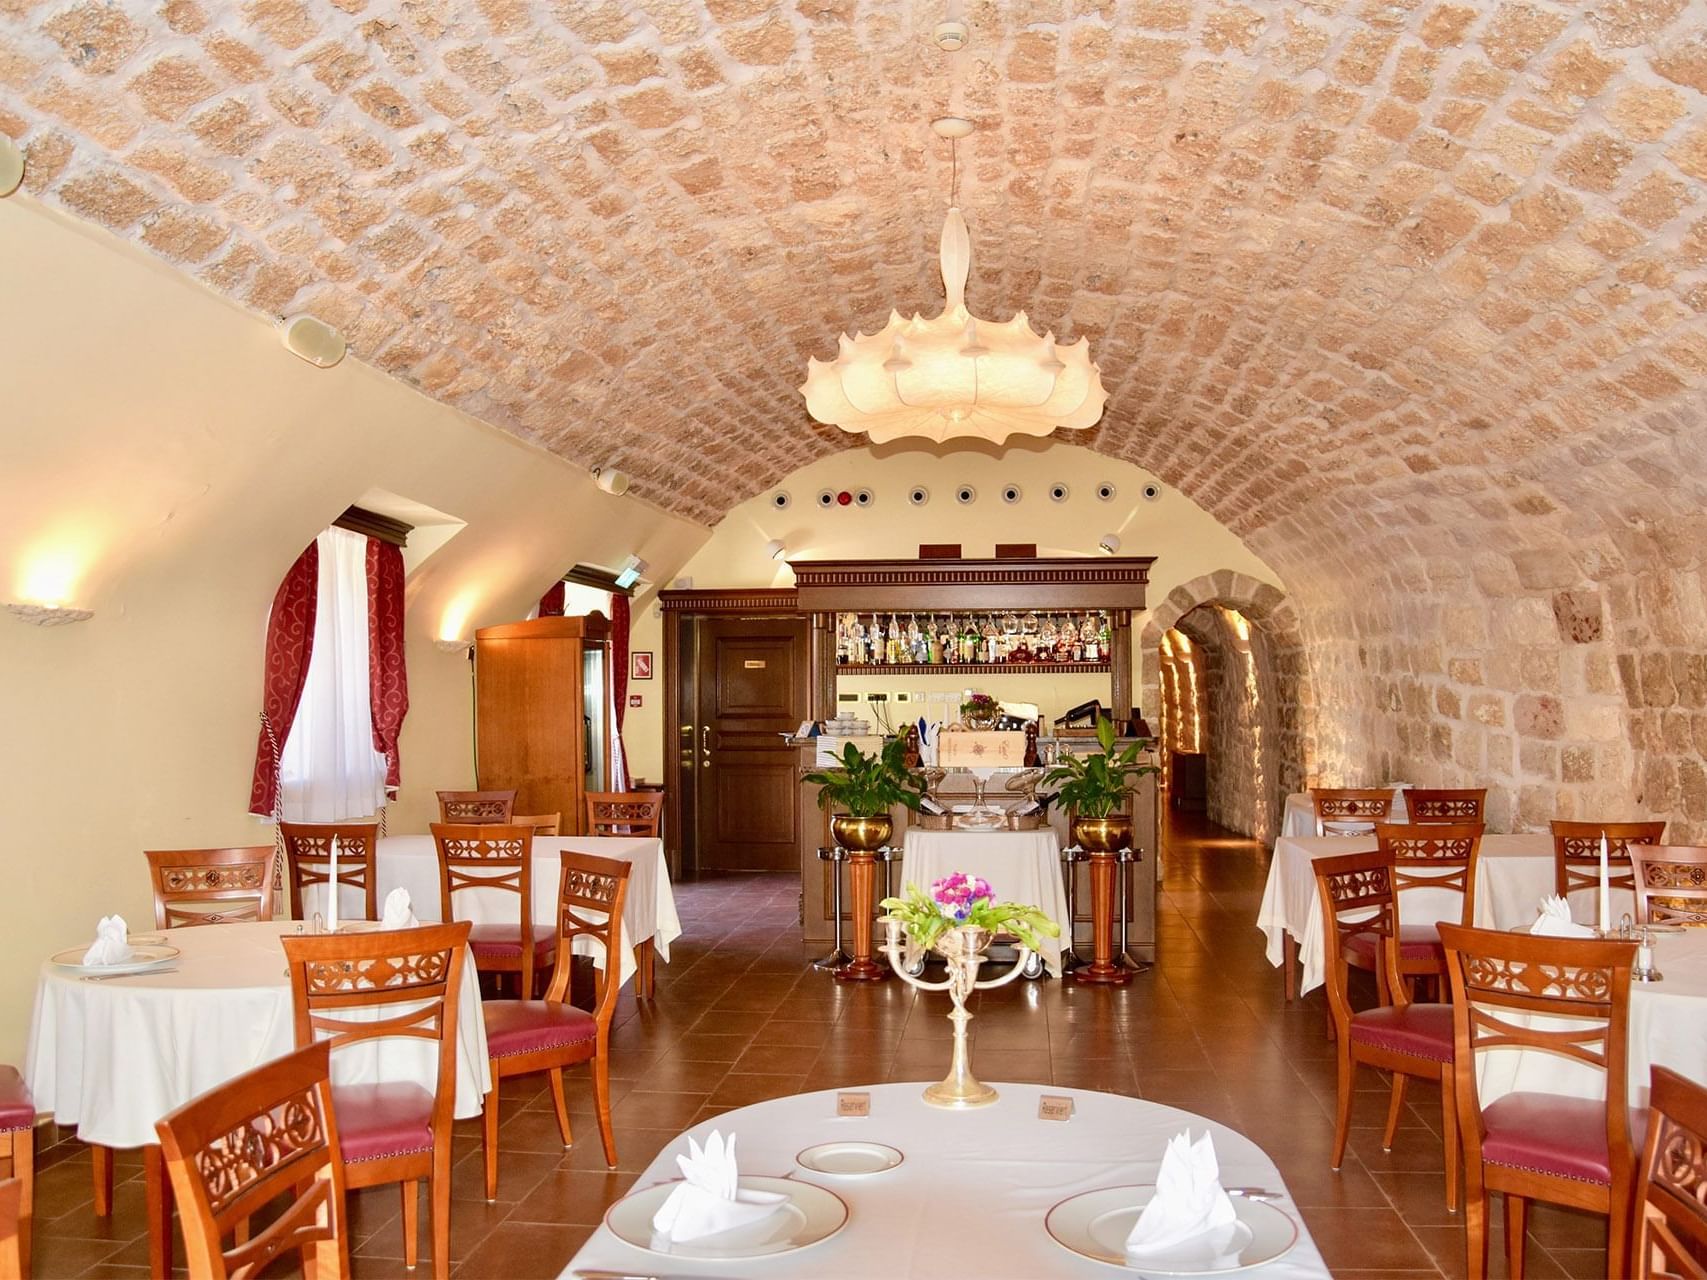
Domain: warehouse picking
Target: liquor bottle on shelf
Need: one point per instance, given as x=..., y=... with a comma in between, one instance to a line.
x=897, y=644
x=969, y=641
x=935, y=651
x=874, y=641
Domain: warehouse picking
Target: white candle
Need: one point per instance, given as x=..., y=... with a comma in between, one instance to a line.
x=1605, y=889
x=1644, y=957
x=332, y=891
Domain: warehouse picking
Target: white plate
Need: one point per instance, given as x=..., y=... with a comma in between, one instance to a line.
x=849, y=1159
x=1095, y=1225
x=809, y=1216
x=147, y=956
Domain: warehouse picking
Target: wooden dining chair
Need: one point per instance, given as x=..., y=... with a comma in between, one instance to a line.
x=543, y=824
x=624, y=813
x=308, y=860
x=18, y=1153
x=352, y=989
x=1669, y=1234
x=495, y=858
x=1576, y=853
x=211, y=886
x=12, y=1264
x=470, y=807
x=525, y=1036
x=1456, y=804
x=270, y=1133
x=1357, y=898
x=1562, y=998
x=1433, y=857
x=1349, y=811
x=1671, y=883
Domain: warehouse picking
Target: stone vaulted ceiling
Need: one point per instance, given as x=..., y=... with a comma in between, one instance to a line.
x=1317, y=247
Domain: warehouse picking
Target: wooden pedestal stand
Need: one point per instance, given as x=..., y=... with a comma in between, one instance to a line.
x=1102, y=970
x=862, y=881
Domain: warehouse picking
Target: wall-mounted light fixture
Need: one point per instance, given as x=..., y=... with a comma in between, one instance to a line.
x=630, y=572
x=313, y=340
x=48, y=615
x=776, y=549
x=11, y=166
x=1110, y=543
x=611, y=480
x=453, y=646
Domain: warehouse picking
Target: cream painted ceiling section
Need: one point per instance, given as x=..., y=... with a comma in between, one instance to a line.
x=1375, y=242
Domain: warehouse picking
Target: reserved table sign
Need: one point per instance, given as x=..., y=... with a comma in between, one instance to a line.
x=1054, y=1107
x=859, y=1104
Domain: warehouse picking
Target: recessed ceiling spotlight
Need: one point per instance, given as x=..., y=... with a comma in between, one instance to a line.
x=966, y=495
x=826, y=497
x=918, y=495
x=864, y=497
x=780, y=500
x=1106, y=491
x=1151, y=492
x=1012, y=493
x=1059, y=492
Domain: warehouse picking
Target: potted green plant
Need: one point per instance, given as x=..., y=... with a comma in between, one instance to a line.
x=866, y=787
x=1094, y=785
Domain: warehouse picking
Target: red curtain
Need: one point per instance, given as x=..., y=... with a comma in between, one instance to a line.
x=290, y=639
x=387, y=679
x=619, y=675
x=551, y=603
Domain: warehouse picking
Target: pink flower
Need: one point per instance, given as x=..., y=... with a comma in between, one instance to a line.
x=957, y=894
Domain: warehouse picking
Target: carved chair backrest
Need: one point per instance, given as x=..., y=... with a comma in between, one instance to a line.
x=1355, y=894
x=308, y=860
x=476, y=806
x=211, y=886
x=1671, y=883
x=1670, y=1233
x=1435, y=856
x=543, y=824
x=623, y=813
x=1346, y=811
x=1576, y=852
x=270, y=1133
x=1459, y=804
x=590, y=896
x=1568, y=997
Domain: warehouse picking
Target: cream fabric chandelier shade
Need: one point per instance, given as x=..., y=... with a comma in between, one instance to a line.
x=955, y=376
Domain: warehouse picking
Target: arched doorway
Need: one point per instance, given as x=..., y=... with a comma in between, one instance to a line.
x=1226, y=666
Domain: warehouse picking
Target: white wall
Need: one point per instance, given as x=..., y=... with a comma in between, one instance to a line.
x=1184, y=538
x=163, y=460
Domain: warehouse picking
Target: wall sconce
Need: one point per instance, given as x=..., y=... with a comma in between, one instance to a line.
x=313, y=340
x=1110, y=543
x=453, y=646
x=776, y=549
x=11, y=166
x=630, y=572
x=611, y=480
x=48, y=615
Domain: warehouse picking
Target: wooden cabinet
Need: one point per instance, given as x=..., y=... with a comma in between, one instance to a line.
x=542, y=713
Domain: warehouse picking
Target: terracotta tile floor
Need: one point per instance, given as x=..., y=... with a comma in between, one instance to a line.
x=739, y=1018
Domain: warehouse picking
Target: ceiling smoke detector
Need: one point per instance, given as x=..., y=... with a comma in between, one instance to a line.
x=951, y=36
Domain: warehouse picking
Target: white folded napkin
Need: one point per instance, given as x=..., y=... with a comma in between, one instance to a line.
x=398, y=913
x=1555, y=920
x=711, y=1199
x=1189, y=1203
x=112, y=942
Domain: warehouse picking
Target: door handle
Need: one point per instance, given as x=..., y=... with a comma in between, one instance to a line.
x=705, y=746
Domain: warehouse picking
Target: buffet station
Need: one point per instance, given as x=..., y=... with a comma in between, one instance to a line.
x=988, y=674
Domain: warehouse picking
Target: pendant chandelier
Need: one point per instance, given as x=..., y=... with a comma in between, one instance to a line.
x=955, y=376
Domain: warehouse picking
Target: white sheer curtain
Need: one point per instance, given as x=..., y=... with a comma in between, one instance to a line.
x=328, y=769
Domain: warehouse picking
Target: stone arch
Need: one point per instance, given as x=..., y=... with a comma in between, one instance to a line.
x=1277, y=711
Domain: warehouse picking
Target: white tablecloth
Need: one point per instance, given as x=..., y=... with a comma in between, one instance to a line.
x=113, y=1057
x=1299, y=816
x=970, y=1197
x=1513, y=873
x=1668, y=1027
x=1021, y=866
x=648, y=914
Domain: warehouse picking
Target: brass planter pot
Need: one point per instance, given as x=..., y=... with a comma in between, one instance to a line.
x=1103, y=835
x=862, y=835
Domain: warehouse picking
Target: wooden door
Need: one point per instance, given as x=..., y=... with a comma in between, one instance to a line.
x=752, y=689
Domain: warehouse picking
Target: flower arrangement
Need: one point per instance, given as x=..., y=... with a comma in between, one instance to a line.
x=980, y=706
x=958, y=901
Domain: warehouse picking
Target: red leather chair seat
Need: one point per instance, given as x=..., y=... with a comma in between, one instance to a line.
x=1421, y=1030
x=504, y=942
x=526, y=1026
x=377, y=1121
x=17, y=1108
x=1419, y=943
x=1552, y=1134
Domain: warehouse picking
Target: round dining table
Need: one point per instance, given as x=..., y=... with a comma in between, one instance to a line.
x=971, y=1193
x=110, y=1055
